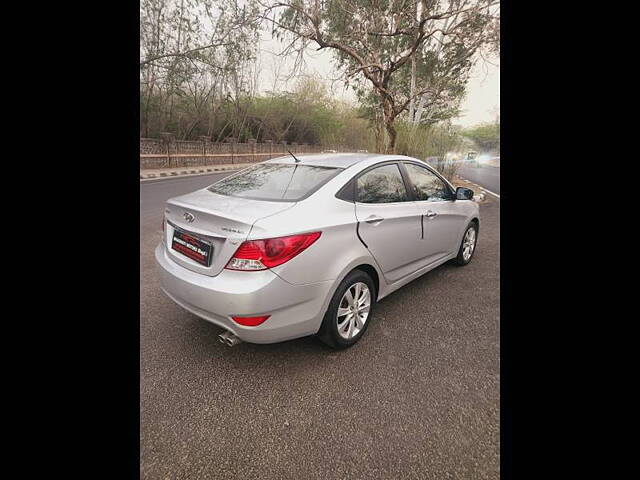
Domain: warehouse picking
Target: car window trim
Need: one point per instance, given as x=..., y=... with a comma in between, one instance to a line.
x=355, y=178
x=347, y=193
x=427, y=167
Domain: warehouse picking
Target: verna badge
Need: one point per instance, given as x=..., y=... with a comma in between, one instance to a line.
x=189, y=217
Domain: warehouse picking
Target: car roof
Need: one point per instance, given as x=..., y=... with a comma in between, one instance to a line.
x=340, y=160
x=345, y=160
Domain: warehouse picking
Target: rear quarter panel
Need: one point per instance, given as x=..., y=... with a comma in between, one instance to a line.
x=337, y=247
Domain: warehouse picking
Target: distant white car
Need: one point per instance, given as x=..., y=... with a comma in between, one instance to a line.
x=470, y=157
x=300, y=246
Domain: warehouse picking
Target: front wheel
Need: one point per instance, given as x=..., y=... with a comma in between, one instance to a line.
x=468, y=245
x=349, y=312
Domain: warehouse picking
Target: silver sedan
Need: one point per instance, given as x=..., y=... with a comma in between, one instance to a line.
x=301, y=246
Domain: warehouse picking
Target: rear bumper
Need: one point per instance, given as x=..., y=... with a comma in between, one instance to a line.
x=296, y=310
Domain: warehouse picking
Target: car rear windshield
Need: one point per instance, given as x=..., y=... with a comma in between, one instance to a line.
x=274, y=181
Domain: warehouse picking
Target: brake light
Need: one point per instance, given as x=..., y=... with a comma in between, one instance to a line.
x=262, y=254
x=251, y=321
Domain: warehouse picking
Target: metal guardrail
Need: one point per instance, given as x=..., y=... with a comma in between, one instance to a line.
x=201, y=155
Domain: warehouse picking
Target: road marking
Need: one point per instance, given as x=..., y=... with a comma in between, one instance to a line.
x=489, y=191
x=176, y=180
x=481, y=188
x=164, y=179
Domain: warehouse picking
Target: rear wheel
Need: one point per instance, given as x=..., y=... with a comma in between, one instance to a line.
x=349, y=312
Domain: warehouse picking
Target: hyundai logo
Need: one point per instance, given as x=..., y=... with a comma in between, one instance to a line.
x=189, y=217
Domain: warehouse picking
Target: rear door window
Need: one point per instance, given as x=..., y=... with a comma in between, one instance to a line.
x=273, y=181
x=381, y=185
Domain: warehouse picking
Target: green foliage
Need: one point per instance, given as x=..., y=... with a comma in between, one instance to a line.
x=485, y=136
x=408, y=63
x=305, y=115
x=427, y=141
x=431, y=143
x=195, y=56
x=404, y=59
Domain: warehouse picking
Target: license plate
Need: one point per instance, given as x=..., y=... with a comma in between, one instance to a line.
x=192, y=247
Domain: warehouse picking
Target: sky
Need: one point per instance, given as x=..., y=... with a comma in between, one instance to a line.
x=481, y=104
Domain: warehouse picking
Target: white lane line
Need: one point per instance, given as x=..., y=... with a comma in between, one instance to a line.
x=481, y=188
x=489, y=191
x=179, y=177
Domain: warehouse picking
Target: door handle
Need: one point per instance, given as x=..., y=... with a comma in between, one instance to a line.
x=373, y=219
x=431, y=213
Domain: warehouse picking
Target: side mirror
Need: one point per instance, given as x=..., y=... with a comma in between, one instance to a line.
x=463, y=193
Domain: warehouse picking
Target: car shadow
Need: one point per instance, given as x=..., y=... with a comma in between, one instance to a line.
x=202, y=336
x=205, y=334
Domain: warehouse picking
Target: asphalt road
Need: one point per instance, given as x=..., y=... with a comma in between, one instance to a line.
x=417, y=397
x=484, y=175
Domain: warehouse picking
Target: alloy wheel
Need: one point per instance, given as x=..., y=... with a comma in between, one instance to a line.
x=468, y=244
x=353, y=310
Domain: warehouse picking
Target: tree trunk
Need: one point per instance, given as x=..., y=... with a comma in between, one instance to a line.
x=378, y=130
x=412, y=91
x=392, y=133
x=380, y=143
x=389, y=119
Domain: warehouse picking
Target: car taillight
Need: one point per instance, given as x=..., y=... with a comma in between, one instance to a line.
x=262, y=254
x=251, y=321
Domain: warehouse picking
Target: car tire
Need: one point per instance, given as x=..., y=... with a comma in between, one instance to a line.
x=335, y=330
x=463, y=257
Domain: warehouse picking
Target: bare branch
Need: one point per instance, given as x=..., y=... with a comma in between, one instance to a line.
x=185, y=54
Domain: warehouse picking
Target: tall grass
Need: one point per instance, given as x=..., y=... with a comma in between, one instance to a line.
x=432, y=143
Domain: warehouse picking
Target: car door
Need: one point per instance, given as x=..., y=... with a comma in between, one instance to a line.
x=389, y=223
x=442, y=218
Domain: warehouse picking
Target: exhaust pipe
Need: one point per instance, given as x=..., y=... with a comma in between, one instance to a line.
x=229, y=339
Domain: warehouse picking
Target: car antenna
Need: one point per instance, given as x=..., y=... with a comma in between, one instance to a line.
x=296, y=158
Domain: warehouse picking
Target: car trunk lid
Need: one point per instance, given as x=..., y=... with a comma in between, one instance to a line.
x=221, y=221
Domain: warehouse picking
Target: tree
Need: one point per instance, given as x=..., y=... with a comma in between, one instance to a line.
x=379, y=43
x=191, y=30
x=486, y=136
x=192, y=52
